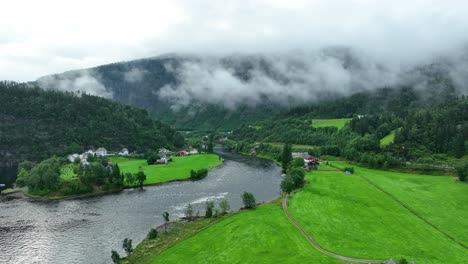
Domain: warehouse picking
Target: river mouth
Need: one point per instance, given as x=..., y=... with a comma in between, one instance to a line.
x=86, y=230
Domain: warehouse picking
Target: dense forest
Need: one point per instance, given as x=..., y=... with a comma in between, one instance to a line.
x=36, y=124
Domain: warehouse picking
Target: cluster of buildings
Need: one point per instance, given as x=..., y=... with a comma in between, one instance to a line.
x=309, y=160
x=165, y=153
x=191, y=151
x=100, y=152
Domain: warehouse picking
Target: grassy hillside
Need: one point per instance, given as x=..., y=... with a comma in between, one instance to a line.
x=178, y=169
x=263, y=235
x=347, y=215
x=337, y=122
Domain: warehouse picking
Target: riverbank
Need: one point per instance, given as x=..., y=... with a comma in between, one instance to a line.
x=176, y=171
x=262, y=235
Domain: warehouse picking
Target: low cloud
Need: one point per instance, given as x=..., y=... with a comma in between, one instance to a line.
x=135, y=75
x=285, y=79
x=84, y=82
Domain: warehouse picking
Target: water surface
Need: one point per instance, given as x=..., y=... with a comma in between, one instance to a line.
x=86, y=230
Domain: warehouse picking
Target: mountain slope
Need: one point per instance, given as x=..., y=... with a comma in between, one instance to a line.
x=223, y=92
x=36, y=124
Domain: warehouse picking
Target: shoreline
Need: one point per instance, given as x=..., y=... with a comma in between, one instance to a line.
x=210, y=222
x=36, y=198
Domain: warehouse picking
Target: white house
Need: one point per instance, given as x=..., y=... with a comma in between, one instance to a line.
x=163, y=152
x=162, y=160
x=193, y=151
x=90, y=152
x=123, y=152
x=101, y=152
x=73, y=157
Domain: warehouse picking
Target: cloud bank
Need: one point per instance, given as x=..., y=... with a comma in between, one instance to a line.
x=299, y=77
x=52, y=36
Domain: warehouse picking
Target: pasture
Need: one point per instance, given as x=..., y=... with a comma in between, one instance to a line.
x=178, y=169
x=263, y=235
x=349, y=216
x=337, y=122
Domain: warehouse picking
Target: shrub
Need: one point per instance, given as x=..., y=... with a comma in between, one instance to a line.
x=153, y=233
x=115, y=257
x=127, y=246
x=462, y=172
x=224, y=205
x=209, y=209
x=199, y=174
x=249, y=200
x=189, y=212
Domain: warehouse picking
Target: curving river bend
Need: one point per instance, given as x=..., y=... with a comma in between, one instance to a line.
x=86, y=230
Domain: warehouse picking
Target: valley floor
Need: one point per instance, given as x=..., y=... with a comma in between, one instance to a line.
x=370, y=214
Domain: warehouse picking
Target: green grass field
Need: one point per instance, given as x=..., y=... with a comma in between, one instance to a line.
x=338, y=122
x=349, y=216
x=178, y=169
x=295, y=147
x=388, y=139
x=439, y=199
x=66, y=172
x=263, y=235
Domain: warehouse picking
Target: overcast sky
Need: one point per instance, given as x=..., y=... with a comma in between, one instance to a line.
x=48, y=36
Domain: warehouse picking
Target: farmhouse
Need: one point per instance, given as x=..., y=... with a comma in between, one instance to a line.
x=123, y=152
x=183, y=153
x=193, y=151
x=162, y=160
x=101, y=152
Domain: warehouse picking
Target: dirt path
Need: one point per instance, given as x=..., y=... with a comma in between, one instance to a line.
x=284, y=203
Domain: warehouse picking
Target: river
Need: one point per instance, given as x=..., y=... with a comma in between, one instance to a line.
x=86, y=230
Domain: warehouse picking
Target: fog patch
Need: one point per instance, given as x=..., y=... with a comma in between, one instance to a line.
x=84, y=82
x=135, y=75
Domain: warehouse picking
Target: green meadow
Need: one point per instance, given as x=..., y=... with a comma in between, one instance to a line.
x=295, y=147
x=441, y=200
x=388, y=139
x=349, y=216
x=263, y=235
x=338, y=122
x=178, y=169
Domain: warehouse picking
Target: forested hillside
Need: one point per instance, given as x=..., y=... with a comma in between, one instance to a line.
x=36, y=124
x=420, y=129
